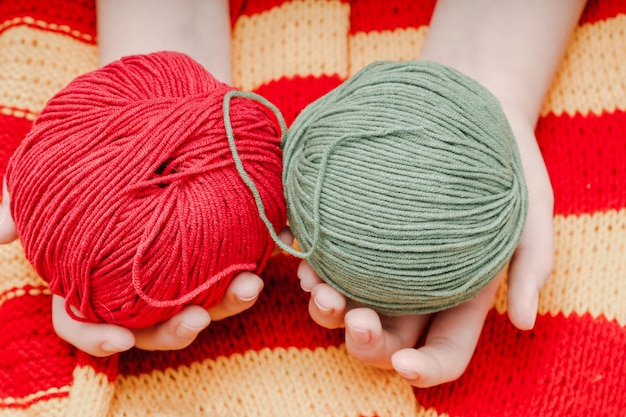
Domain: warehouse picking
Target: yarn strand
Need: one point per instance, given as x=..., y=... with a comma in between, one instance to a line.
x=241, y=170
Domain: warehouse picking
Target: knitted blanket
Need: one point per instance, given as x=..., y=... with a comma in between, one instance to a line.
x=273, y=360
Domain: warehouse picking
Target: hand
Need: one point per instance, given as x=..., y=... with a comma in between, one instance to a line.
x=533, y=259
x=451, y=338
x=101, y=339
x=388, y=342
x=8, y=233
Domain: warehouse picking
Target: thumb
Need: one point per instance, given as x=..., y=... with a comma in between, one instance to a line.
x=530, y=267
x=8, y=232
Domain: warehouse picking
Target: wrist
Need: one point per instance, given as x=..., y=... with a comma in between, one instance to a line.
x=512, y=48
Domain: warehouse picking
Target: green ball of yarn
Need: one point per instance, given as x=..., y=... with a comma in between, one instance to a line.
x=404, y=187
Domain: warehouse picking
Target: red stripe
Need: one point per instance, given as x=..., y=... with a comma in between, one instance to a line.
x=107, y=366
x=77, y=14
x=586, y=159
x=376, y=15
x=279, y=319
x=12, y=131
x=36, y=359
x=27, y=404
x=291, y=95
x=571, y=366
x=596, y=10
x=247, y=8
x=365, y=15
x=32, y=357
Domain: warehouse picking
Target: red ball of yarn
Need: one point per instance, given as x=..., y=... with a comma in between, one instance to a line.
x=126, y=196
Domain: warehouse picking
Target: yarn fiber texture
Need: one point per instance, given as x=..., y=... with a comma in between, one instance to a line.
x=404, y=187
x=126, y=194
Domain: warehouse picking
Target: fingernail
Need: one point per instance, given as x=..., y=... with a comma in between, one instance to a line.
x=185, y=332
x=407, y=374
x=113, y=348
x=305, y=287
x=531, y=314
x=322, y=308
x=361, y=336
x=247, y=299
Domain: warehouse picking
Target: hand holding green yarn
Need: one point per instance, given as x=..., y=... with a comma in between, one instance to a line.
x=404, y=187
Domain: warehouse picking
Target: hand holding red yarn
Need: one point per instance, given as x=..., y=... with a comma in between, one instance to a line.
x=102, y=339
x=154, y=183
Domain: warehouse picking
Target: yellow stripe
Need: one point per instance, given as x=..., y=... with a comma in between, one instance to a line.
x=590, y=268
x=41, y=24
x=91, y=394
x=303, y=38
x=18, y=113
x=430, y=412
x=396, y=45
x=249, y=384
x=20, y=292
x=590, y=78
x=279, y=382
x=36, y=64
x=16, y=273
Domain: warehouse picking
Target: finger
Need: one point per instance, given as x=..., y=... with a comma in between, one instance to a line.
x=373, y=340
x=97, y=339
x=531, y=264
x=8, y=232
x=176, y=333
x=450, y=343
x=308, y=278
x=286, y=237
x=327, y=307
x=241, y=294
